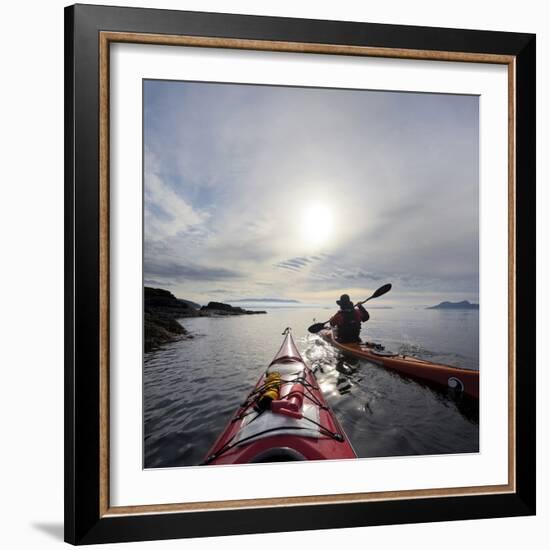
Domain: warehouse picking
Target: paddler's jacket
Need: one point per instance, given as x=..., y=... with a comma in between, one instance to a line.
x=348, y=322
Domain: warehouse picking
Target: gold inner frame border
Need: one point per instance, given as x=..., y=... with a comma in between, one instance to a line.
x=105, y=39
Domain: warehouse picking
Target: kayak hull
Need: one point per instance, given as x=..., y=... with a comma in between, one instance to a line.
x=444, y=376
x=251, y=437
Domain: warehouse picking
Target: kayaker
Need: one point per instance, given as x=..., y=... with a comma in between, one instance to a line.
x=348, y=320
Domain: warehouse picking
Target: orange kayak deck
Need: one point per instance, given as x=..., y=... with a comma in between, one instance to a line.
x=442, y=375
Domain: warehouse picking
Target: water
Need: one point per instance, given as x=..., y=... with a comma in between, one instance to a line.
x=192, y=387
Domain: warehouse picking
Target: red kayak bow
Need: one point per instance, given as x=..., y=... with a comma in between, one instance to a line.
x=284, y=418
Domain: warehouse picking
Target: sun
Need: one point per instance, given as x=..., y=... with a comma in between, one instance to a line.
x=317, y=224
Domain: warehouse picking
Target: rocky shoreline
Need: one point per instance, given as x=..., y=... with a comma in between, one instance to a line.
x=159, y=329
x=162, y=309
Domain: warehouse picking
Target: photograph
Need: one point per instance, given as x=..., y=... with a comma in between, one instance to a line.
x=310, y=273
x=299, y=273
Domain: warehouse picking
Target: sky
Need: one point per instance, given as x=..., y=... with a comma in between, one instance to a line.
x=302, y=194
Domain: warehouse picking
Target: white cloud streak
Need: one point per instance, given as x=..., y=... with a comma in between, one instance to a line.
x=229, y=170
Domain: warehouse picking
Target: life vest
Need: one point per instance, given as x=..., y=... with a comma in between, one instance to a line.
x=350, y=328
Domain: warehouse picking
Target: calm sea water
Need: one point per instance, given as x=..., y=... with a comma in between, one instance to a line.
x=192, y=387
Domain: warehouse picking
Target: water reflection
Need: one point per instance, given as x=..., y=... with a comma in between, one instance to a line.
x=192, y=387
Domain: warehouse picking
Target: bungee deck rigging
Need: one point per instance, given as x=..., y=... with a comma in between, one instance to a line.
x=284, y=417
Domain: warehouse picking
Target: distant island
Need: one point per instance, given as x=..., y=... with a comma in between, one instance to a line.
x=219, y=309
x=274, y=300
x=455, y=305
x=161, y=309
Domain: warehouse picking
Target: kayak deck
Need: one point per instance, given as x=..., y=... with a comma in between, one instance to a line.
x=298, y=425
x=464, y=380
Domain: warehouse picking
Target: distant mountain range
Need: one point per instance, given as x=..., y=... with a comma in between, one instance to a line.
x=275, y=300
x=455, y=305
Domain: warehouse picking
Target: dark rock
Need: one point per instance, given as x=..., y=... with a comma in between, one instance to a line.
x=159, y=329
x=157, y=300
x=191, y=304
x=161, y=309
x=219, y=308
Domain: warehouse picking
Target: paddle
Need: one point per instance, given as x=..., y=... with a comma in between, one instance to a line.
x=314, y=329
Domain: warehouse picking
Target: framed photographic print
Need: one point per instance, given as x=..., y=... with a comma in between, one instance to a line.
x=295, y=246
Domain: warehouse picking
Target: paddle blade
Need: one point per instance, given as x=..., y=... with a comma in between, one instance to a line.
x=317, y=327
x=382, y=290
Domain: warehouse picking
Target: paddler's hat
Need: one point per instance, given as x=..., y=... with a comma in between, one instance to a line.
x=344, y=302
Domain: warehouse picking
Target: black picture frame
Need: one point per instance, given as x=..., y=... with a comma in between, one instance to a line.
x=84, y=522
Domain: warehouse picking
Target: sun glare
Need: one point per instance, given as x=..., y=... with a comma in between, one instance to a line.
x=317, y=224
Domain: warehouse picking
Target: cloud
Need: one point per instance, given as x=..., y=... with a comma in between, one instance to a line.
x=297, y=263
x=155, y=283
x=166, y=213
x=359, y=274
x=230, y=170
x=179, y=272
x=288, y=267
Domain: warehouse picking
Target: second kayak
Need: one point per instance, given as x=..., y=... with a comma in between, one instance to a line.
x=284, y=418
x=462, y=380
